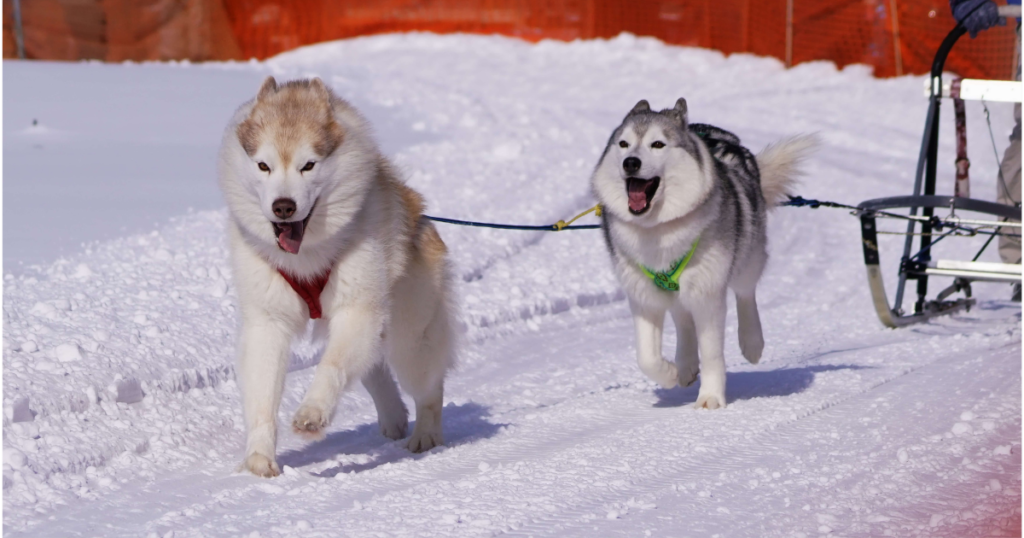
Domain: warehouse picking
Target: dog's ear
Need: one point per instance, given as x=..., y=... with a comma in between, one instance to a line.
x=320, y=88
x=642, y=106
x=268, y=88
x=680, y=112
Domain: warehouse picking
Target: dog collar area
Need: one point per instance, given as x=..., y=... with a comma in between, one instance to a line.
x=668, y=280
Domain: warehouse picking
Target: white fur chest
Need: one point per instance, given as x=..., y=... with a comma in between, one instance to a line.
x=360, y=276
x=659, y=250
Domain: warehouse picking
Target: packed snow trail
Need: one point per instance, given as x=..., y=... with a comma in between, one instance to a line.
x=548, y=450
x=122, y=417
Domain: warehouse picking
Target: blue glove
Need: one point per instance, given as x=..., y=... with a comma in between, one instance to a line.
x=976, y=15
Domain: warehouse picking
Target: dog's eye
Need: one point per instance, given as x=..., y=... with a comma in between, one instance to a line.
x=263, y=166
x=658, y=144
x=308, y=167
x=623, y=144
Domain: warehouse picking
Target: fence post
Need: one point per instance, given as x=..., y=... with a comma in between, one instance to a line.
x=897, y=48
x=789, y=33
x=19, y=38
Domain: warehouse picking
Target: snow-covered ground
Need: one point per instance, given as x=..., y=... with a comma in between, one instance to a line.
x=122, y=418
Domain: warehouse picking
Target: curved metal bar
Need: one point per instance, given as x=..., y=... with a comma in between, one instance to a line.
x=894, y=317
x=934, y=201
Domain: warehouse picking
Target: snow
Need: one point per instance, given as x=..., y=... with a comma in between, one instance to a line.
x=122, y=417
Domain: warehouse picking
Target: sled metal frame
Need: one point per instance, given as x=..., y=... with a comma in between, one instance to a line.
x=920, y=266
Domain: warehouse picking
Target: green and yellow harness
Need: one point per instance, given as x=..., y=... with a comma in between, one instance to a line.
x=669, y=280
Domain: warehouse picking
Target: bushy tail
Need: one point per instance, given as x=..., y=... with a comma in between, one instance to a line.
x=779, y=164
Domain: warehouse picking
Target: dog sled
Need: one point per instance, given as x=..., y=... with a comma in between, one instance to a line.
x=930, y=217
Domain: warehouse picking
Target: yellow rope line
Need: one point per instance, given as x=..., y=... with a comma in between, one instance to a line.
x=562, y=224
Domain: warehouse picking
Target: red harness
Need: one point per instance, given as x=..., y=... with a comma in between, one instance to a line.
x=309, y=290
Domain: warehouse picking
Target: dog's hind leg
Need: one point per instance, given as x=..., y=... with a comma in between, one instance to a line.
x=687, y=359
x=392, y=416
x=744, y=286
x=263, y=362
x=750, y=334
x=420, y=362
x=709, y=321
x=650, y=323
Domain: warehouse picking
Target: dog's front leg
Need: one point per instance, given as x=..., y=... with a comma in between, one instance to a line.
x=709, y=320
x=263, y=361
x=650, y=322
x=353, y=347
x=686, y=346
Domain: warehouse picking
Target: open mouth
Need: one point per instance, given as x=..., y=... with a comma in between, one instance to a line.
x=289, y=234
x=641, y=192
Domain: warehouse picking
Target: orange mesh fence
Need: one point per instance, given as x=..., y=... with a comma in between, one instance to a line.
x=894, y=36
x=117, y=30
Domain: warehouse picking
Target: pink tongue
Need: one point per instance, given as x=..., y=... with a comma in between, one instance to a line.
x=637, y=195
x=290, y=237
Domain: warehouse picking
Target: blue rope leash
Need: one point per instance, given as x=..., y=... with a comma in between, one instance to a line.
x=800, y=201
x=794, y=201
x=525, y=227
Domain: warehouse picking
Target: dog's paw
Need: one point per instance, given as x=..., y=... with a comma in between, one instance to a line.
x=310, y=422
x=394, y=429
x=662, y=372
x=424, y=441
x=751, y=345
x=688, y=374
x=709, y=401
x=260, y=465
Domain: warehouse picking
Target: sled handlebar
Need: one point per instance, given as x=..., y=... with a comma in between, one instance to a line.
x=1007, y=11
x=940, y=56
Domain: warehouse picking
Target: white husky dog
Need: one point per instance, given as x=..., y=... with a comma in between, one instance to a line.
x=322, y=227
x=684, y=216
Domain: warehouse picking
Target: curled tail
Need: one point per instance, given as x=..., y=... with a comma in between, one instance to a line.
x=779, y=164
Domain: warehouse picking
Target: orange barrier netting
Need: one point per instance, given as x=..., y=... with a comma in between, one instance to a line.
x=894, y=36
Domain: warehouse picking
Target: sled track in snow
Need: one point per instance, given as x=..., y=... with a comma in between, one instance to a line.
x=742, y=456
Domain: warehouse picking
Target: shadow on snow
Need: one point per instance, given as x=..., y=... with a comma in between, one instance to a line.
x=462, y=424
x=753, y=384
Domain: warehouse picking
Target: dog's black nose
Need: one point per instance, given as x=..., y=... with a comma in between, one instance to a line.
x=631, y=165
x=284, y=208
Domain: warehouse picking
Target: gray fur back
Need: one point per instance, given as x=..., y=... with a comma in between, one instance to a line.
x=742, y=210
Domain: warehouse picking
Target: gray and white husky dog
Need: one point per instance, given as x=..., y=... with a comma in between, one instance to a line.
x=684, y=215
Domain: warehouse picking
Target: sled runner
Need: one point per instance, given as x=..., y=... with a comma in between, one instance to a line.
x=958, y=215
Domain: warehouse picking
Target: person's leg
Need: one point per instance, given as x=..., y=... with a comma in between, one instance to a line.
x=1008, y=192
x=1008, y=184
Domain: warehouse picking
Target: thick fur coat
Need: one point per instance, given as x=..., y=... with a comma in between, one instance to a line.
x=666, y=185
x=310, y=195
